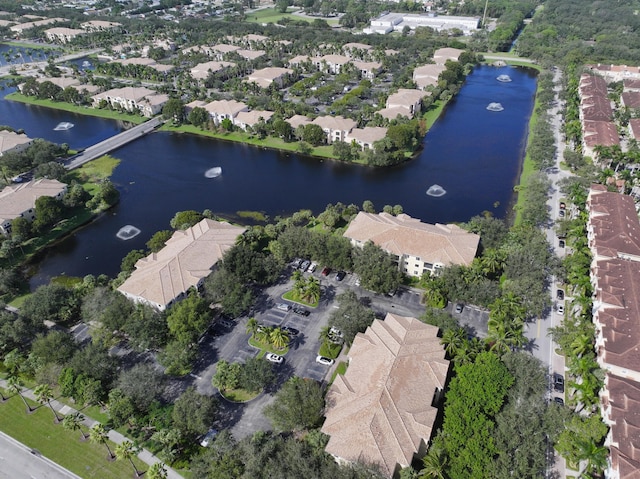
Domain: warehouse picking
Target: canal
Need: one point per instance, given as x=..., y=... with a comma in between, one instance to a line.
x=474, y=154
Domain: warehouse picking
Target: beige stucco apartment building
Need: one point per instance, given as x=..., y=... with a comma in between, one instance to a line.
x=19, y=200
x=382, y=410
x=188, y=257
x=417, y=247
x=12, y=142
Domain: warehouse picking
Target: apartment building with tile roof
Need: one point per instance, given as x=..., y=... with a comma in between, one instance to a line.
x=417, y=247
x=19, y=200
x=188, y=257
x=382, y=410
x=613, y=232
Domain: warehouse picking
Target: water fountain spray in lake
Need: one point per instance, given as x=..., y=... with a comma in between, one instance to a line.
x=436, y=191
x=213, y=172
x=127, y=232
x=65, y=125
x=494, y=106
x=504, y=78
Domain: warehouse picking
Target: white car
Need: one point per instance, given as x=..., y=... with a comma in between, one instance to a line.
x=283, y=306
x=312, y=267
x=325, y=361
x=208, y=437
x=274, y=358
x=560, y=309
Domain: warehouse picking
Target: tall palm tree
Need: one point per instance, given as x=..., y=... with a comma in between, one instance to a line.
x=279, y=338
x=73, y=422
x=453, y=340
x=312, y=290
x=252, y=326
x=98, y=435
x=14, y=385
x=434, y=463
x=44, y=395
x=264, y=334
x=157, y=471
x=126, y=450
x=595, y=457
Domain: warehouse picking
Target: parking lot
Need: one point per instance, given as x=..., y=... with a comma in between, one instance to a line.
x=229, y=341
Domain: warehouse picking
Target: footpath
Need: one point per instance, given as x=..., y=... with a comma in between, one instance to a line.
x=114, y=436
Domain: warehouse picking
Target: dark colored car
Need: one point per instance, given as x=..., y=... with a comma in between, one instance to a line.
x=305, y=264
x=459, y=307
x=340, y=275
x=292, y=332
x=301, y=311
x=561, y=243
x=326, y=271
x=558, y=383
x=560, y=295
x=558, y=401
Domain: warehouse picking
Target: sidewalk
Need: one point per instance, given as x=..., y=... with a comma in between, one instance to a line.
x=114, y=436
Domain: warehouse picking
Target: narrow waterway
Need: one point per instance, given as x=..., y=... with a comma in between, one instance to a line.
x=474, y=154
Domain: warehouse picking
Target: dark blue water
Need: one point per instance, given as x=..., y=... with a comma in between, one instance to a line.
x=474, y=154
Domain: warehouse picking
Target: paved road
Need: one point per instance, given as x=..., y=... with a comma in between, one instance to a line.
x=112, y=143
x=508, y=59
x=537, y=332
x=18, y=461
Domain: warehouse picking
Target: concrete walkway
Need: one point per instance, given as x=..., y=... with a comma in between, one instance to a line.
x=114, y=436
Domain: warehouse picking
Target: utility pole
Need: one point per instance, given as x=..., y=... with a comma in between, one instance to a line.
x=484, y=15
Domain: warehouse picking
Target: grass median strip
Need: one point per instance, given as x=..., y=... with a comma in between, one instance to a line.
x=64, y=447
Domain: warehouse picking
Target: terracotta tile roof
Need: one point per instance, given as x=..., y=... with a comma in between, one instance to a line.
x=441, y=55
x=18, y=198
x=618, y=293
x=378, y=413
x=631, y=84
x=613, y=221
x=335, y=123
x=201, y=70
x=187, y=258
x=634, y=127
x=368, y=134
x=10, y=140
x=623, y=403
x=296, y=120
x=402, y=234
x=597, y=109
x=252, y=117
x=602, y=133
x=631, y=99
x=225, y=107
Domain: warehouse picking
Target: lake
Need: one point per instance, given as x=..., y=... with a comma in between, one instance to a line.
x=474, y=154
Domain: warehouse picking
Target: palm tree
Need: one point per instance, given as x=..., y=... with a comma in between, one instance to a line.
x=157, y=471
x=73, y=422
x=15, y=387
x=278, y=338
x=252, y=326
x=312, y=290
x=434, y=463
x=263, y=334
x=453, y=340
x=44, y=395
x=98, y=434
x=126, y=450
x=325, y=334
x=581, y=345
x=594, y=455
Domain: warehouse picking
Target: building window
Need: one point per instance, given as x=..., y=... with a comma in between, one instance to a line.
x=428, y=266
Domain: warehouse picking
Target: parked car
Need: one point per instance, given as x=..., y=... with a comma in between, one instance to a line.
x=325, y=361
x=559, y=401
x=208, y=437
x=561, y=213
x=312, y=267
x=283, y=306
x=296, y=263
x=558, y=382
x=335, y=334
x=292, y=332
x=305, y=265
x=274, y=358
x=459, y=308
x=561, y=243
x=340, y=275
x=560, y=295
x=563, y=205
x=561, y=309
x=226, y=323
x=326, y=271
x=301, y=311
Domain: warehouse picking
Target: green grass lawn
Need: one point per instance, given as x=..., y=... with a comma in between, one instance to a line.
x=38, y=431
x=81, y=110
x=290, y=296
x=270, y=15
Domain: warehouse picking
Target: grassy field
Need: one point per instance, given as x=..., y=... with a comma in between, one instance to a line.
x=38, y=431
x=269, y=15
x=81, y=110
x=240, y=137
x=93, y=172
x=32, y=46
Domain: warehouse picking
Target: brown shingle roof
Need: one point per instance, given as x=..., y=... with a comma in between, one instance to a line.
x=631, y=99
x=602, y=133
x=402, y=234
x=378, y=413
